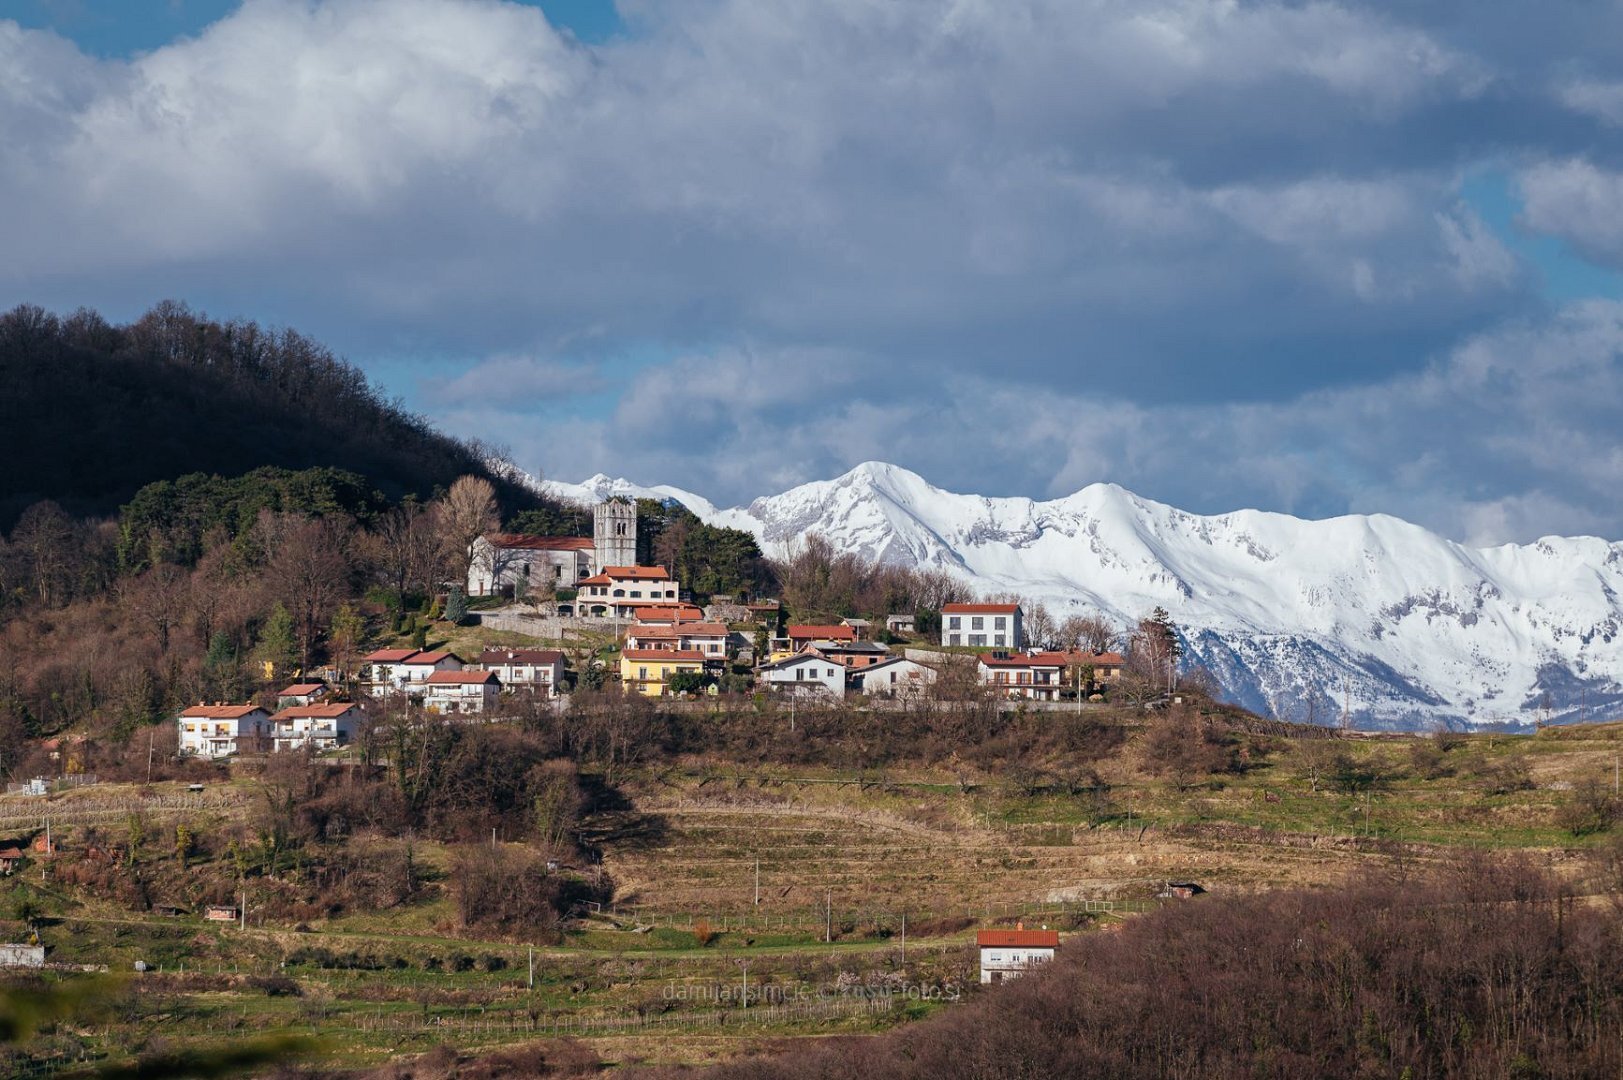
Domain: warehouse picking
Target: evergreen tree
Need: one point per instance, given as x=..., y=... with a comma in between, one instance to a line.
x=278, y=646
x=456, y=606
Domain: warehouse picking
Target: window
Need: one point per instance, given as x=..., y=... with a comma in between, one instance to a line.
x=977, y=639
x=953, y=623
x=999, y=640
x=619, y=528
x=1000, y=622
x=953, y=640
x=642, y=673
x=977, y=623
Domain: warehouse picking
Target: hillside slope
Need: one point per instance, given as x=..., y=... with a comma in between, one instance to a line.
x=1402, y=626
x=93, y=412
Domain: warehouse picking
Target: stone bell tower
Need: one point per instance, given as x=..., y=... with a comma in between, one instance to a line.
x=614, y=533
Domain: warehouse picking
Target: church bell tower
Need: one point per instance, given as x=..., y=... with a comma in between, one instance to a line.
x=614, y=533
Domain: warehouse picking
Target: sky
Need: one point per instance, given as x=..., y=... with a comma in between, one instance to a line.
x=1312, y=257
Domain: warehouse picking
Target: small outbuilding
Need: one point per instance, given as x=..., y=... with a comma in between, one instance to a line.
x=1180, y=890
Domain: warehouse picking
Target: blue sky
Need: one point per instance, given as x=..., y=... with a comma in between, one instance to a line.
x=1320, y=258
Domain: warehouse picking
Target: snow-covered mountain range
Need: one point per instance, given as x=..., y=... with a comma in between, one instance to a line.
x=1401, y=626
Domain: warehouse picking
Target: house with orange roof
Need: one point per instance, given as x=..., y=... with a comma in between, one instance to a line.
x=707, y=638
x=1036, y=676
x=997, y=626
x=318, y=725
x=649, y=671
x=389, y=671
x=220, y=730
x=1008, y=954
x=461, y=691
x=305, y=693
x=801, y=635
x=618, y=591
x=537, y=670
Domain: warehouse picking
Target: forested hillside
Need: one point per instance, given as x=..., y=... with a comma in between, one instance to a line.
x=94, y=412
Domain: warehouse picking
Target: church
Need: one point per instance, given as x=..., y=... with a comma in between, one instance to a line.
x=518, y=564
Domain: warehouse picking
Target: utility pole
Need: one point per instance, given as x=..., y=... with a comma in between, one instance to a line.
x=532, y=967
x=828, y=916
x=757, y=881
x=242, y=915
x=744, y=966
x=904, y=937
x=149, y=756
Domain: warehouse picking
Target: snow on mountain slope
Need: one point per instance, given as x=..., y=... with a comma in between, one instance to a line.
x=1296, y=618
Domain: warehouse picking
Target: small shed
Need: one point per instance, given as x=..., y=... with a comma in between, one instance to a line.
x=11, y=859
x=220, y=913
x=1180, y=890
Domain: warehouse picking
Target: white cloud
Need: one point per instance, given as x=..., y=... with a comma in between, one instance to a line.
x=1578, y=201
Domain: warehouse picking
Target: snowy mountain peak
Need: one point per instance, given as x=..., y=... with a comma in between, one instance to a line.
x=1293, y=617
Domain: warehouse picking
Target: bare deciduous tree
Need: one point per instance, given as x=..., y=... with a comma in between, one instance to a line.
x=406, y=549
x=462, y=516
x=1090, y=633
x=309, y=571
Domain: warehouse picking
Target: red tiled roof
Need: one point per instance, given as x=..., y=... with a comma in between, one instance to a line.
x=980, y=609
x=543, y=543
x=1076, y=656
x=387, y=656
x=219, y=712
x=326, y=711
x=823, y=633
x=432, y=657
x=676, y=630
x=637, y=573
x=460, y=678
x=301, y=689
x=520, y=656
x=666, y=612
x=1017, y=939
x=11, y=852
x=1023, y=660
x=664, y=654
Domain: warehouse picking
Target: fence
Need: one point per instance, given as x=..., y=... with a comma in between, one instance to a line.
x=818, y=919
x=25, y=815
x=41, y=786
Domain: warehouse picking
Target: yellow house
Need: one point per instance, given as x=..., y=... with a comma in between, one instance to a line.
x=648, y=670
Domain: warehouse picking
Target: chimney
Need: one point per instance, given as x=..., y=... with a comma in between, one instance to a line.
x=1019, y=926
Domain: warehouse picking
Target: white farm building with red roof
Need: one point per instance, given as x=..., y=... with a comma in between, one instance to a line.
x=997, y=626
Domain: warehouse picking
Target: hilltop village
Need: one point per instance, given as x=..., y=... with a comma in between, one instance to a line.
x=571, y=611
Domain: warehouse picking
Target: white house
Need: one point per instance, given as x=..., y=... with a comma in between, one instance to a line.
x=900, y=624
x=501, y=562
x=1008, y=954
x=705, y=637
x=1037, y=676
x=306, y=693
x=216, y=731
x=1000, y=626
x=540, y=670
x=461, y=691
x=618, y=591
x=806, y=673
x=897, y=677
x=322, y=726
x=404, y=670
